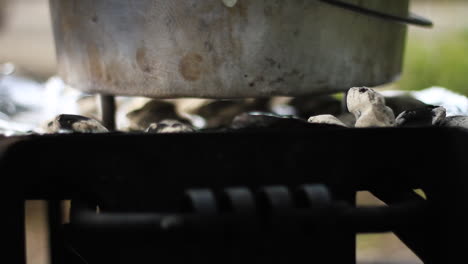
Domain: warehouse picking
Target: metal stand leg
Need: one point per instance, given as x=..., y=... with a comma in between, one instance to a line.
x=13, y=225
x=54, y=213
x=418, y=237
x=108, y=109
x=340, y=239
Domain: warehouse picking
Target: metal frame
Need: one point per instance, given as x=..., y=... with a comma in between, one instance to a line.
x=149, y=173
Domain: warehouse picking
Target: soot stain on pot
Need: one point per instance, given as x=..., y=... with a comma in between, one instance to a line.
x=95, y=67
x=113, y=72
x=271, y=62
x=294, y=74
x=190, y=66
x=259, y=79
x=236, y=18
x=268, y=11
x=68, y=17
x=277, y=81
x=142, y=60
x=240, y=8
x=208, y=46
x=296, y=33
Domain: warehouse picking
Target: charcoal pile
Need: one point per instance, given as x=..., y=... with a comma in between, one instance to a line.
x=153, y=112
x=28, y=107
x=363, y=107
x=74, y=124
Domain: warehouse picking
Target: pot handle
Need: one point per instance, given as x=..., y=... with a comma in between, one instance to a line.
x=411, y=19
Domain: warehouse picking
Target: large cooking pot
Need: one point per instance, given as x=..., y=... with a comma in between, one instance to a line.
x=229, y=49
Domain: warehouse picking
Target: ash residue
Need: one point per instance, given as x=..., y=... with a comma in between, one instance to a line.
x=27, y=107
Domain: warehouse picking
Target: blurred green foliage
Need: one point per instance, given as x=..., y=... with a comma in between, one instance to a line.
x=441, y=60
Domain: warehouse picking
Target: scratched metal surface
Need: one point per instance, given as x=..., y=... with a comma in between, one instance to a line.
x=192, y=48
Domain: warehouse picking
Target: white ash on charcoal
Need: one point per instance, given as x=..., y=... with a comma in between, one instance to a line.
x=153, y=112
x=266, y=120
x=326, y=119
x=426, y=116
x=456, y=121
x=170, y=126
x=75, y=124
x=369, y=108
x=221, y=113
x=397, y=101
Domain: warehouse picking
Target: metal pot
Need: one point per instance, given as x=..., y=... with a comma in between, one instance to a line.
x=209, y=48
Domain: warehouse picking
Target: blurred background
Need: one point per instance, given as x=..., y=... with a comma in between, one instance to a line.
x=434, y=57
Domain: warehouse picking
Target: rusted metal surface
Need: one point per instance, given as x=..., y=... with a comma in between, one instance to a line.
x=205, y=48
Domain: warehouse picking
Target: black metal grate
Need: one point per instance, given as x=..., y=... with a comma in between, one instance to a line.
x=135, y=175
